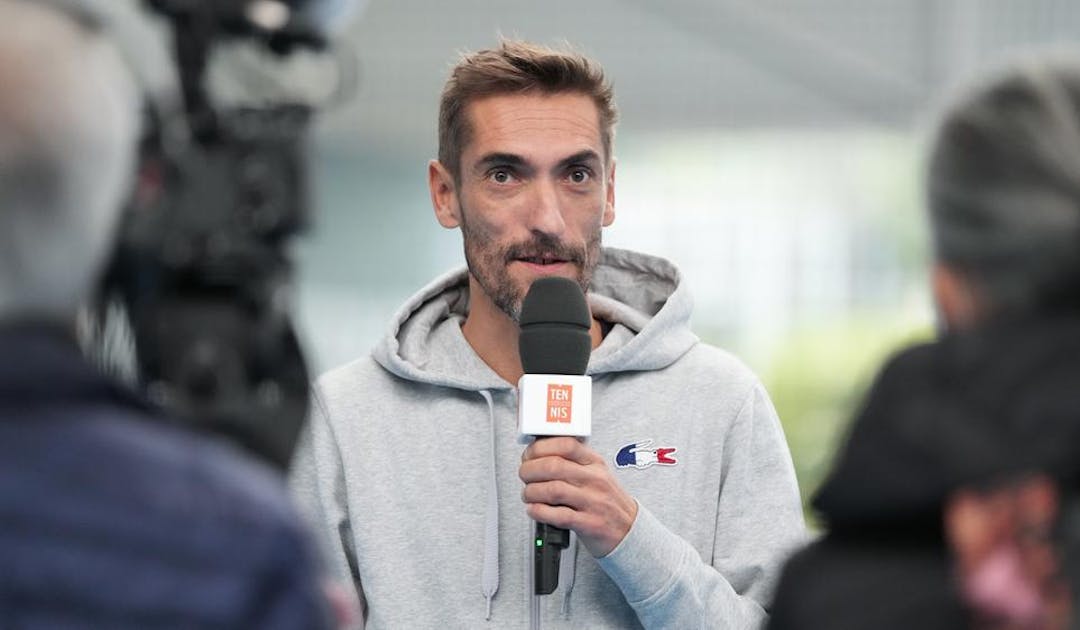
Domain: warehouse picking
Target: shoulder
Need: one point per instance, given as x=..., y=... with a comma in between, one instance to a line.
x=136, y=462
x=711, y=389
x=348, y=379
x=248, y=484
x=158, y=510
x=715, y=372
x=718, y=362
x=360, y=387
x=900, y=586
x=248, y=491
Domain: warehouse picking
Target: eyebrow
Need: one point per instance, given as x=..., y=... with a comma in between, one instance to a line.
x=500, y=159
x=581, y=157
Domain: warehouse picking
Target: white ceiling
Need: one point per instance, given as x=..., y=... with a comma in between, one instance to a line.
x=694, y=64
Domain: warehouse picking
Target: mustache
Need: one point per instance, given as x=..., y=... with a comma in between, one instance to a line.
x=545, y=247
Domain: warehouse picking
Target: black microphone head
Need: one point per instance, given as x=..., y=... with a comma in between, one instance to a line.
x=555, y=323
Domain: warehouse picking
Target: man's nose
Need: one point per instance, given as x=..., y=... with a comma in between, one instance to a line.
x=546, y=213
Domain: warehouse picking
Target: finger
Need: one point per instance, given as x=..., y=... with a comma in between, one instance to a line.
x=557, y=515
x=555, y=493
x=562, y=446
x=557, y=469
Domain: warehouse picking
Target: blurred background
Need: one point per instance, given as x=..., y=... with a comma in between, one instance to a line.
x=770, y=148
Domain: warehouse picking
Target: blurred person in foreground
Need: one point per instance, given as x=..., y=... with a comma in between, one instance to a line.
x=953, y=502
x=684, y=498
x=109, y=517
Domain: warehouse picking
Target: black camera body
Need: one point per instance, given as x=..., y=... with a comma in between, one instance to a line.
x=202, y=267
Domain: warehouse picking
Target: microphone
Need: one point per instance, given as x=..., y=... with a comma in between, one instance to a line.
x=554, y=395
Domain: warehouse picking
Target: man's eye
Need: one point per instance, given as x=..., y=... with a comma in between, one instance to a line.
x=579, y=175
x=501, y=176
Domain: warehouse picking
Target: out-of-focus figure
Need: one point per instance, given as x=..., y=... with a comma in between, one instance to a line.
x=953, y=502
x=109, y=516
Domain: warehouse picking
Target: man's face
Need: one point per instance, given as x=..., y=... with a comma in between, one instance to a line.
x=533, y=194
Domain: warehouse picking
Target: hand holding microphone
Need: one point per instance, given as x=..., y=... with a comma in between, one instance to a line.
x=567, y=484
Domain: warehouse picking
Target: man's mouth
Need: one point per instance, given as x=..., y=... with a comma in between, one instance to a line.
x=542, y=260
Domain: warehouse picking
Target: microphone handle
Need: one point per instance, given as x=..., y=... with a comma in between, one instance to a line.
x=547, y=548
x=549, y=543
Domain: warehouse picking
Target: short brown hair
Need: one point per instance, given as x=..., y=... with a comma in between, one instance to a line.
x=518, y=67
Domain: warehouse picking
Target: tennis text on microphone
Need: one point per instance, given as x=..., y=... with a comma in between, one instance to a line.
x=560, y=400
x=554, y=404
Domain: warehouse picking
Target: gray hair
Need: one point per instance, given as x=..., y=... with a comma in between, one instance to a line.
x=68, y=131
x=1003, y=185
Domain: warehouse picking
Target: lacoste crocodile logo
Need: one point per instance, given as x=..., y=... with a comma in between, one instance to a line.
x=639, y=455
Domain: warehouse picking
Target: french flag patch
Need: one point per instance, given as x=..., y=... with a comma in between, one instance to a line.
x=639, y=455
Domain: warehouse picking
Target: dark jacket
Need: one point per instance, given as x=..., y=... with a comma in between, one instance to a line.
x=966, y=411
x=111, y=518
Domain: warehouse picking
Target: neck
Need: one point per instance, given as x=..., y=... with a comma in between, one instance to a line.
x=494, y=336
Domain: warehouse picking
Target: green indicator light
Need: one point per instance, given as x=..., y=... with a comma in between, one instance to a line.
x=539, y=542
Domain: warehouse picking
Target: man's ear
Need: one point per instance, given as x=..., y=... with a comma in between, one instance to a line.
x=609, y=201
x=444, y=197
x=955, y=296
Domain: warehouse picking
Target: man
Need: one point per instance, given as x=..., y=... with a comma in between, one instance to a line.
x=412, y=464
x=109, y=517
x=953, y=503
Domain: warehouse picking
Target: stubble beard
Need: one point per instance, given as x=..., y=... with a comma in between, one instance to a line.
x=490, y=265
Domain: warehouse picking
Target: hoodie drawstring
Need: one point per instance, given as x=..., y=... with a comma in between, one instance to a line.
x=490, y=576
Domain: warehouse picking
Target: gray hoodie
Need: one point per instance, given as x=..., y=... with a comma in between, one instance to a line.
x=409, y=468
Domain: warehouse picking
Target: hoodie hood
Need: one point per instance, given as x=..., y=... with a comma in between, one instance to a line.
x=968, y=410
x=642, y=297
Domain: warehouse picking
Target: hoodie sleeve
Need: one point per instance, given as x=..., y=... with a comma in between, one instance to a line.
x=759, y=520
x=318, y=486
